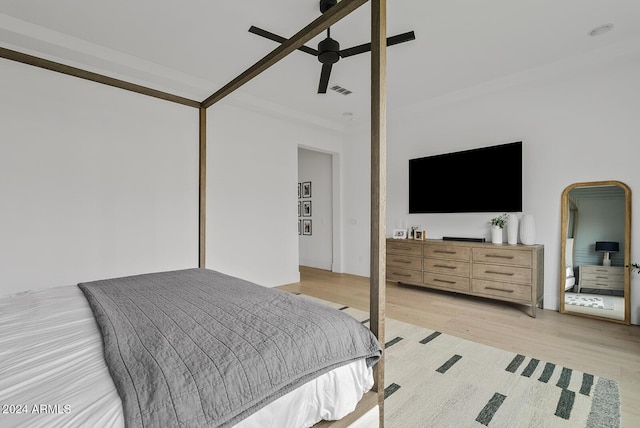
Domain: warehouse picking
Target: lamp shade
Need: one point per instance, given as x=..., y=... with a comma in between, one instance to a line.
x=607, y=247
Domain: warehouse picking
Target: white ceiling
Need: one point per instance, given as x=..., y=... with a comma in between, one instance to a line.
x=192, y=48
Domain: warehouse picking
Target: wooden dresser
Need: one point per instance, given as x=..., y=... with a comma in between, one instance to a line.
x=601, y=277
x=514, y=273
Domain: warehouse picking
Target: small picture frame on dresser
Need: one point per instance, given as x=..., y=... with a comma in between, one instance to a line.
x=400, y=233
x=419, y=235
x=412, y=231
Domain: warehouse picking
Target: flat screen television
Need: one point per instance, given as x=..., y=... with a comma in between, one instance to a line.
x=486, y=179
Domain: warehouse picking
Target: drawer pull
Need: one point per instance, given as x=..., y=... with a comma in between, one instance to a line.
x=498, y=256
x=445, y=266
x=445, y=252
x=400, y=274
x=498, y=289
x=442, y=280
x=602, y=277
x=499, y=273
x=408, y=262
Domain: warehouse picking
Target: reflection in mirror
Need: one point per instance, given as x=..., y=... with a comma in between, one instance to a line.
x=596, y=225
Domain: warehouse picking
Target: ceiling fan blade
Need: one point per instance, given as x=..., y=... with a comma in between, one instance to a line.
x=393, y=40
x=401, y=38
x=324, y=78
x=279, y=39
x=355, y=50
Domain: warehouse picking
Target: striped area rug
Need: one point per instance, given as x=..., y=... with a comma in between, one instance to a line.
x=436, y=380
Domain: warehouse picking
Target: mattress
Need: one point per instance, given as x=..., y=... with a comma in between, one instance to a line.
x=53, y=373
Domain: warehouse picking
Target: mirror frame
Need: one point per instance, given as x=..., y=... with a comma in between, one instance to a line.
x=627, y=247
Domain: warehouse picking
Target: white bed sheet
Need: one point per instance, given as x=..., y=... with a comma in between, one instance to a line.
x=53, y=373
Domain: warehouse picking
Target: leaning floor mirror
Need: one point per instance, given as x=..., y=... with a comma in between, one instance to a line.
x=595, y=251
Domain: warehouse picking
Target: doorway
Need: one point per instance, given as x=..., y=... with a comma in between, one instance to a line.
x=316, y=209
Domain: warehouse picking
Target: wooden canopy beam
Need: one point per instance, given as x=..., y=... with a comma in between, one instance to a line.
x=330, y=17
x=94, y=77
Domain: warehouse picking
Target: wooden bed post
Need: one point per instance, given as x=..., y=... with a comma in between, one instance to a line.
x=202, y=214
x=378, y=183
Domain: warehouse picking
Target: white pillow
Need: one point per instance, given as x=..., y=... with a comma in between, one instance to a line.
x=569, y=272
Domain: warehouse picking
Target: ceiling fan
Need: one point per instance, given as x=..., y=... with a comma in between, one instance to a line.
x=329, y=51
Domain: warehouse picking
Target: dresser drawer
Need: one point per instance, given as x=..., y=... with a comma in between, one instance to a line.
x=502, y=290
x=402, y=275
x=601, y=272
x=592, y=276
x=404, y=262
x=502, y=273
x=447, y=267
x=447, y=252
x=598, y=283
x=405, y=247
x=449, y=282
x=502, y=257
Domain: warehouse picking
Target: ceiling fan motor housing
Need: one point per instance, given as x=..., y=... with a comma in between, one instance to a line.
x=329, y=51
x=325, y=5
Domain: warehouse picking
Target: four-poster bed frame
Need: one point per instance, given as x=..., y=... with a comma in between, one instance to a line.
x=378, y=153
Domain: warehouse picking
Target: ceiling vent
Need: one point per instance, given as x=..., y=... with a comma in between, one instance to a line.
x=340, y=90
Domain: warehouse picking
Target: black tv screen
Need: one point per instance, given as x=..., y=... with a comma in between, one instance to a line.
x=487, y=179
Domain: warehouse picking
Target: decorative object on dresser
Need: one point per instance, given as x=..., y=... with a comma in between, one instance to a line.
x=512, y=229
x=601, y=278
x=528, y=229
x=514, y=273
x=399, y=233
x=497, y=224
x=607, y=247
x=412, y=231
x=419, y=235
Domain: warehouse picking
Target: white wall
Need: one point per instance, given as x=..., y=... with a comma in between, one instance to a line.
x=356, y=218
x=95, y=182
x=252, y=193
x=316, y=250
x=579, y=126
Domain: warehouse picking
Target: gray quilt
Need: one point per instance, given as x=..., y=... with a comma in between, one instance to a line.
x=199, y=348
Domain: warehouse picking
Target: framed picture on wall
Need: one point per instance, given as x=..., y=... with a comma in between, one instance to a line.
x=299, y=227
x=299, y=209
x=306, y=208
x=299, y=190
x=306, y=227
x=306, y=189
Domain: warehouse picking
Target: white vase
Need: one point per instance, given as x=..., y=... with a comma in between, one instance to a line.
x=512, y=229
x=528, y=230
x=496, y=235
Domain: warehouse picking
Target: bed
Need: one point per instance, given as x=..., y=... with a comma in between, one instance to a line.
x=54, y=373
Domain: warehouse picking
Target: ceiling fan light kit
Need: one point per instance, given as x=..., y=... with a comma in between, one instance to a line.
x=328, y=52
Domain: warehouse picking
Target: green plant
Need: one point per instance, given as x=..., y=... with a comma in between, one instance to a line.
x=635, y=267
x=499, y=221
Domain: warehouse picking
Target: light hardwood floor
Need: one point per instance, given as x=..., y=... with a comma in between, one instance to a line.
x=602, y=348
